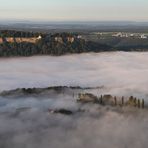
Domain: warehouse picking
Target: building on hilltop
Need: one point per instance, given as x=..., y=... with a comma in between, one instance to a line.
x=143, y=36
x=121, y=35
x=39, y=37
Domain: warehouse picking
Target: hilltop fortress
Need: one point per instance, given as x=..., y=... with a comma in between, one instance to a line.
x=57, y=39
x=19, y=39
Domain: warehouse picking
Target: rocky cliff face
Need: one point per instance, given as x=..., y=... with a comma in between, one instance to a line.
x=1, y=40
x=19, y=40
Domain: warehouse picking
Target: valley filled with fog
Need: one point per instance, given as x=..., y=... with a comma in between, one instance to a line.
x=120, y=73
x=25, y=120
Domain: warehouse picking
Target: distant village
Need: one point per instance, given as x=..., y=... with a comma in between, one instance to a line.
x=122, y=34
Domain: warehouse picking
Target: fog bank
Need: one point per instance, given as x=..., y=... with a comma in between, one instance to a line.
x=25, y=121
x=122, y=72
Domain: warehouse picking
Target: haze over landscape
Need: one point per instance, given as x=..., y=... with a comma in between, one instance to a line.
x=78, y=10
x=116, y=71
x=25, y=121
x=73, y=73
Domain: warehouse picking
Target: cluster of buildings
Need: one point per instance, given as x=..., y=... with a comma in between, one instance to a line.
x=122, y=35
x=126, y=35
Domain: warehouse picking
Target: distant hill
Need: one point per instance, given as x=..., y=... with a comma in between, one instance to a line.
x=18, y=43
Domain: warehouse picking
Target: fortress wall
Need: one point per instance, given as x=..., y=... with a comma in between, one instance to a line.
x=19, y=40
x=10, y=40
x=29, y=40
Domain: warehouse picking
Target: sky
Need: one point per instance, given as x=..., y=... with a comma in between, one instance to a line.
x=74, y=10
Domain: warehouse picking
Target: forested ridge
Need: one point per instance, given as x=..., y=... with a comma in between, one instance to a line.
x=58, y=44
x=50, y=44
